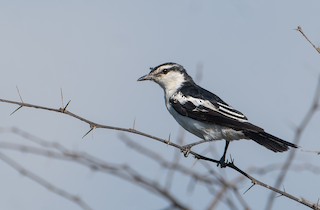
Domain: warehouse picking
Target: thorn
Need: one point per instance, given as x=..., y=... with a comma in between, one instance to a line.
x=20, y=100
x=253, y=184
x=284, y=190
x=194, y=163
x=65, y=108
x=91, y=129
x=231, y=159
x=16, y=110
x=196, y=157
x=134, y=124
x=61, y=94
x=19, y=94
x=298, y=28
x=169, y=139
x=280, y=195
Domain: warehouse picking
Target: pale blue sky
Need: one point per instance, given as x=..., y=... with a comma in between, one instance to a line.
x=95, y=51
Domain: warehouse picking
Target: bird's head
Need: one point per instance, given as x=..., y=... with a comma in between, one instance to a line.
x=170, y=76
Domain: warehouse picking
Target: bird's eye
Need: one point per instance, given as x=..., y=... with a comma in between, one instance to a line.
x=164, y=71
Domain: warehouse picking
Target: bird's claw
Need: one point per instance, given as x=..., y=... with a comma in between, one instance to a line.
x=222, y=162
x=185, y=150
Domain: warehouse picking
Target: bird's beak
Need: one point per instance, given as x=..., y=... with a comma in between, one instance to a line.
x=145, y=77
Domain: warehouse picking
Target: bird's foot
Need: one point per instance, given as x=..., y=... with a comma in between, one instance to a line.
x=186, y=150
x=222, y=162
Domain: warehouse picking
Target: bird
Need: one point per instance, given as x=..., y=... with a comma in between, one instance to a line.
x=206, y=115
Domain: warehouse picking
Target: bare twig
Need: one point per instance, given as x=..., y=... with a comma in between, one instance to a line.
x=218, y=197
x=166, y=164
x=294, y=167
x=20, y=100
x=299, y=130
x=52, y=188
x=122, y=171
x=305, y=36
x=226, y=186
x=196, y=155
x=61, y=95
x=298, y=133
x=175, y=161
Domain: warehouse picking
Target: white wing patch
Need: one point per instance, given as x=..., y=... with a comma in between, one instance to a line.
x=229, y=111
x=223, y=109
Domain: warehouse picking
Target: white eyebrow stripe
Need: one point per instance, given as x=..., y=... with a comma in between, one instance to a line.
x=168, y=66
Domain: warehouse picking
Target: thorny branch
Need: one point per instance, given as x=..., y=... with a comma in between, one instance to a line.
x=208, y=181
x=230, y=165
x=129, y=174
x=305, y=36
x=297, y=137
x=73, y=198
x=166, y=164
x=56, y=151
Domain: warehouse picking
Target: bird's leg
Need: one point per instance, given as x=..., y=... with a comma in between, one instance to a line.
x=222, y=161
x=187, y=148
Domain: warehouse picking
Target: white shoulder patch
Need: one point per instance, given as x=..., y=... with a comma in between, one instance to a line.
x=196, y=101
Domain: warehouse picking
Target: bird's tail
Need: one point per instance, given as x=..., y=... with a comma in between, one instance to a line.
x=269, y=141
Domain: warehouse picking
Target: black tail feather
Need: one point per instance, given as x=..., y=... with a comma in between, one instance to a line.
x=269, y=141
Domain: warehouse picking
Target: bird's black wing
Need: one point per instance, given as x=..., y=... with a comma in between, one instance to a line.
x=199, y=104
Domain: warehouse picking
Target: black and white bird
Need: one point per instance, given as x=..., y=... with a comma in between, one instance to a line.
x=206, y=115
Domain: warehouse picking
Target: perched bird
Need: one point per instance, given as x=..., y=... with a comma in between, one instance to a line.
x=206, y=115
